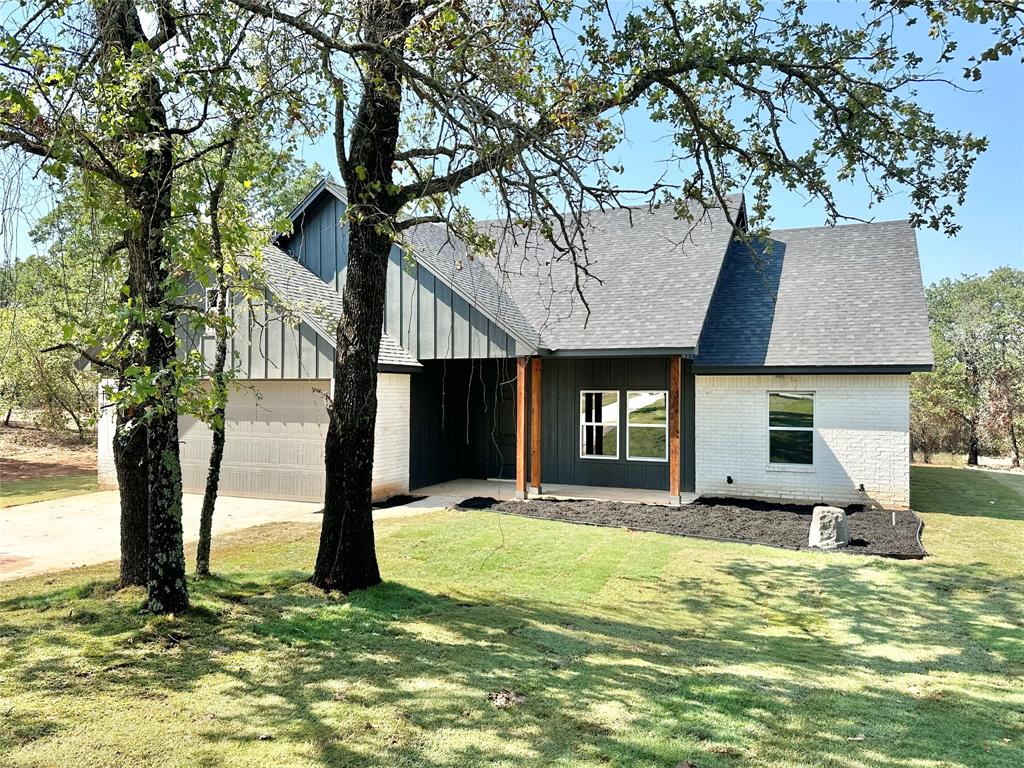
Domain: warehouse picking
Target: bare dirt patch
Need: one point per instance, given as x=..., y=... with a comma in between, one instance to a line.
x=782, y=525
x=27, y=453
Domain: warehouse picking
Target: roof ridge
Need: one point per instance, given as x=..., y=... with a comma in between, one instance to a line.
x=848, y=225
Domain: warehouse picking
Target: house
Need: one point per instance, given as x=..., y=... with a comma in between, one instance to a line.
x=707, y=364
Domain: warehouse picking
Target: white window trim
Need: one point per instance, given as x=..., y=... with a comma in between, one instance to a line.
x=616, y=424
x=780, y=466
x=664, y=425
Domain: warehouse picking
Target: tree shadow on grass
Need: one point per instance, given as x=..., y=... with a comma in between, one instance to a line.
x=794, y=665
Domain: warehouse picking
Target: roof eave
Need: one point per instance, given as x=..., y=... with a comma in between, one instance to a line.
x=687, y=352
x=324, y=185
x=750, y=370
x=392, y=368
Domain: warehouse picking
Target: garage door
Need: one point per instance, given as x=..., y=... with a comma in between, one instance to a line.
x=275, y=441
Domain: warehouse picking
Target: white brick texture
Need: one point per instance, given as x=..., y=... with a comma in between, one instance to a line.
x=274, y=444
x=861, y=436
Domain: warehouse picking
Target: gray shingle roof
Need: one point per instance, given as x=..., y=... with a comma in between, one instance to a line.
x=319, y=304
x=650, y=279
x=848, y=296
x=449, y=260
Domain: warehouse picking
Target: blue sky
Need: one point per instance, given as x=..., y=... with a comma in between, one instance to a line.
x=992, y=220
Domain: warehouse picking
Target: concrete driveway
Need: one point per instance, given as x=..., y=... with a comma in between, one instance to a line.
x=84, y=530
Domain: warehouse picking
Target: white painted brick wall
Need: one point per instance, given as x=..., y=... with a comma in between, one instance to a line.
x=106, y=475
x=275, y=441
x=391, y=438
x=861, y=435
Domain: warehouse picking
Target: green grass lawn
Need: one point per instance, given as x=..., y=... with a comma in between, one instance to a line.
x=629, y=649
x=14, y=492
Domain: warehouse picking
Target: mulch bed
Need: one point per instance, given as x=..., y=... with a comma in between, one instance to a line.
x=396, y=501
x=750, y=522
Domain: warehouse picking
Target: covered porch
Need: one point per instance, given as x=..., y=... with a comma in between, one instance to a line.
x=617, y=428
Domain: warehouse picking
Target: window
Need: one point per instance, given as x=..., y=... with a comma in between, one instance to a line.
x=210, y=299
x=599, y=424
x=647, y=426
x=791, y=428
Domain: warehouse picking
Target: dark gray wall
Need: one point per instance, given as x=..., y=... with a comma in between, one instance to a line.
x=561, y=382
x=462, y=421
x=421, y=311
x=265, y=345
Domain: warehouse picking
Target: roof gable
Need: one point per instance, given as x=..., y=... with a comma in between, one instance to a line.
x=822, y=297
x=648, y=279
x=443, y=256
x=321, y=306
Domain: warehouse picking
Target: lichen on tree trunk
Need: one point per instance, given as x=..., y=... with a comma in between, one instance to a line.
x=129, y=450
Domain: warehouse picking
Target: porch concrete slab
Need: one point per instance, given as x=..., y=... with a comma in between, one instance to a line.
x=454, y=491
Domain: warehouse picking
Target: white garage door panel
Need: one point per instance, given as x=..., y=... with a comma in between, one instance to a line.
x=275, y=441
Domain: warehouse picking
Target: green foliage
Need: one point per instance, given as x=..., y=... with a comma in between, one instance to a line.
x=226, y=207
x=977, y=328
x=64, y=286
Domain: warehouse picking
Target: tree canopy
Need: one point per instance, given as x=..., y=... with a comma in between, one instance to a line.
x=977, y=387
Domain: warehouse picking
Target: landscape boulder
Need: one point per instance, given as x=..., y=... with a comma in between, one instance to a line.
x=829, y=528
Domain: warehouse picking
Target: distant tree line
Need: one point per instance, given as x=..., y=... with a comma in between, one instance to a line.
x=973, y=401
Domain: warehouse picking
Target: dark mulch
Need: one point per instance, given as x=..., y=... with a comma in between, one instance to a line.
x=396, y=501
x=775, y=525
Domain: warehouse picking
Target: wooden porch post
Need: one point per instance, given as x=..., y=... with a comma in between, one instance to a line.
x=535, y=427
x=522, y=371
x=675, y=377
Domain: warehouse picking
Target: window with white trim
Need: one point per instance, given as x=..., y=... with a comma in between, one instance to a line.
x=647, y=425
x=599, y=424
x=791, y=428
x=210, y=300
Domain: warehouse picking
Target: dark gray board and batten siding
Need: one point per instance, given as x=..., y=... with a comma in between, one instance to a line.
x=265, y=345
x=421, y=311
x=562, y=380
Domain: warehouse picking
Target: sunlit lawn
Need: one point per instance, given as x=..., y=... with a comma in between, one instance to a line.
x=14, y=492
x=628, y=649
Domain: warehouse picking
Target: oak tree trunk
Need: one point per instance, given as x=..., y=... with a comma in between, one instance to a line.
x=347, y=558
x=133, y=484
x=148, y=196
x=218, y=383
x=149, y=263
x=1014, y=446
x=973, y=446
x=220, y=392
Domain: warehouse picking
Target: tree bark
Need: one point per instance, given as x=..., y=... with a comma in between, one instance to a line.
x=148, y=195
x=347, y=558
x=212, y=482
x=168, y=591
x=133, y=485
x=7, y=418
x=218, y=381
x=973, y=446
x=1014, y=446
